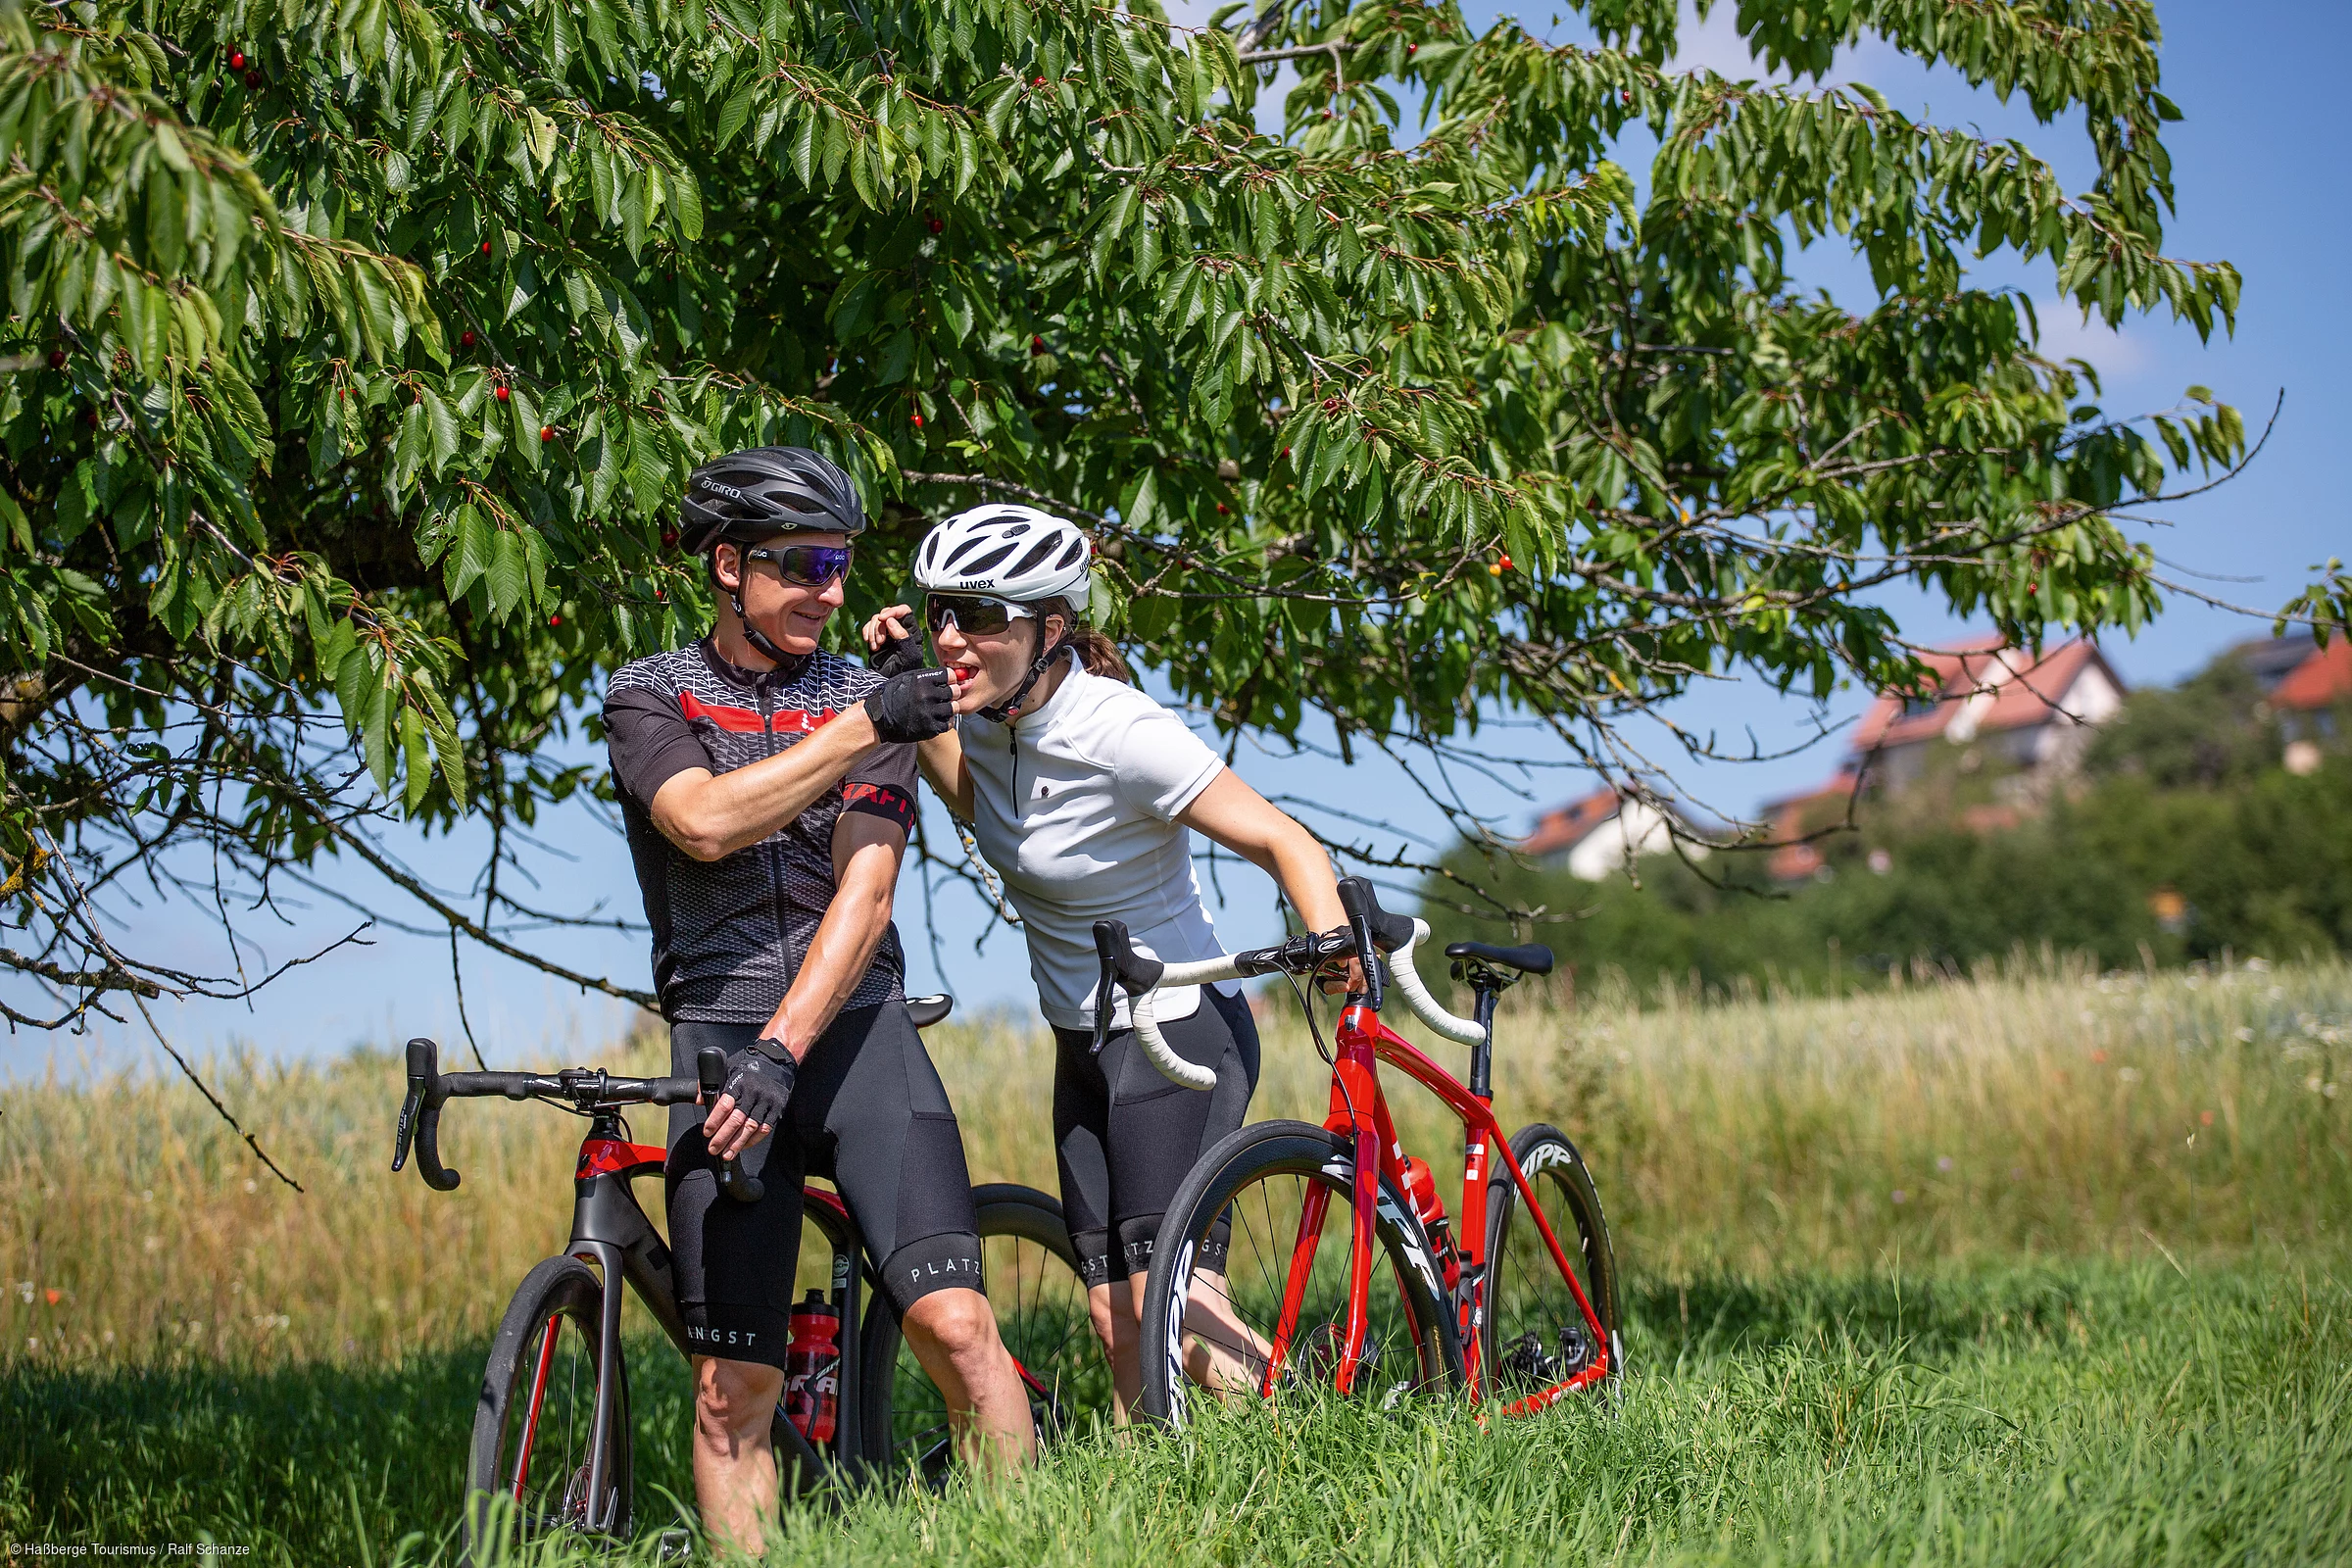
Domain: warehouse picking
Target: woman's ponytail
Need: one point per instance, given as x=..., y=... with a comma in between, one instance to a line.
x=1096, y=654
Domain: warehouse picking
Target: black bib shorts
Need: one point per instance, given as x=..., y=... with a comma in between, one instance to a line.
x=1126, y=1136
x=869, y=1114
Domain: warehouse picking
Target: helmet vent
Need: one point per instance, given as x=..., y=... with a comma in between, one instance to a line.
x=1072, y=556
x=989, y=562
x=1035, y=556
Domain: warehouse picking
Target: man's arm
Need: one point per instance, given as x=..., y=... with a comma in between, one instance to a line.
x=710, y=816
x=866, y=850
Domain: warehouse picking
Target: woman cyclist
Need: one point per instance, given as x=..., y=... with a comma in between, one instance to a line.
x=1083, y=793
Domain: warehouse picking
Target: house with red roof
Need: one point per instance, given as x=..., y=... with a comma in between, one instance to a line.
x=2036, y=713
x=1593, y=838
x=2311, y=702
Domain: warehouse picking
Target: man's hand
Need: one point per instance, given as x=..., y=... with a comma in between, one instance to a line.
x=892, y=649
x=913, y=706
x=751, y=1104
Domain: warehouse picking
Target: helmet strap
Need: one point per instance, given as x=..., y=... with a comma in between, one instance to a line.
x=752, y=634
x=1008, y=711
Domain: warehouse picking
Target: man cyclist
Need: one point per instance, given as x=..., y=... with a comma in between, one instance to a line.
x=767, y=787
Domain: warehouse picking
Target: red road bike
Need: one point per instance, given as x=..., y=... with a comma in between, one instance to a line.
x=1299, y=1256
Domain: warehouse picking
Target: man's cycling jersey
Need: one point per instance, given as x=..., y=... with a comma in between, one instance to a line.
x=730, y=934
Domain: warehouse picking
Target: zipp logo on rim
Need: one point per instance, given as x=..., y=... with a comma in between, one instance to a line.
x=1182, y=1291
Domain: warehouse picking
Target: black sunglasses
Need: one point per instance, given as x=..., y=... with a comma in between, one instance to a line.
x=807, y=565
x=974, y=615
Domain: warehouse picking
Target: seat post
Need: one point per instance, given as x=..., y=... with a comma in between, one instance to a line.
x=1481, y=1055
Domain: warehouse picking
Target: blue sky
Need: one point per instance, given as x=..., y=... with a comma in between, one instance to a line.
x=2263, y=182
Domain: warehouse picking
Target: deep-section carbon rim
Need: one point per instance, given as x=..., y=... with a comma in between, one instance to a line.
x=1535, y=1334
x=534, y=1423
x=1229, y=1255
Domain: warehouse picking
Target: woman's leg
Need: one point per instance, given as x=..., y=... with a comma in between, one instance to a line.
x=1157, y=1132
x=1112, y=1308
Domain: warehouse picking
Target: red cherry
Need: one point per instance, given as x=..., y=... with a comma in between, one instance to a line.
x=253, y=81
x=1505, y=562
x=502, y=394
x=2031, y=589
x=236, y=59
x=1411, y=49
x=918, y=421
x=1220, y=509
x=547, y=432
x=935, y=224
x=56, y=359
x=662, y=594
x=465, y=338
x=93, y=419
x=555, y=620
x=669, y=538
x=1285, y=452
x=485, y=247
x=1039, y=82
x=1037, y=345
x=1331, y=405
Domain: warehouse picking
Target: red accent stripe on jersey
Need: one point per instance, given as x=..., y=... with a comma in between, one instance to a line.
x=739, y=720
x=799, y=721
x=746, y=721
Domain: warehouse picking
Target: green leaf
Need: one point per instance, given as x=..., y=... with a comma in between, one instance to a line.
x=510, y=574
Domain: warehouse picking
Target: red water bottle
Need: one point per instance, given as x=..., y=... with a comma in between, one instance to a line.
x=813, y=1368
x=1421, y=1191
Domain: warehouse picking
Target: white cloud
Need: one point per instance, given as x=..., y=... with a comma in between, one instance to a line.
x=2067, y=335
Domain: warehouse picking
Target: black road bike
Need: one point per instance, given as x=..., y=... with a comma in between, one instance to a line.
x=552, y=1449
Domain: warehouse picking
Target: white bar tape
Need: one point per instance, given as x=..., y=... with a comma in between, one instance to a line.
x=1462, y=1031
x=1156, y=1046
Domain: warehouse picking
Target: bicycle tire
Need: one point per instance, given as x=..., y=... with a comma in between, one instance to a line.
x=1031, y=1273
x=1408, y=1305
x=526, y=1481
x=1534, y=1333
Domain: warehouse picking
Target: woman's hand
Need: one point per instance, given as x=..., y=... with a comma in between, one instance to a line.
x=889, y=636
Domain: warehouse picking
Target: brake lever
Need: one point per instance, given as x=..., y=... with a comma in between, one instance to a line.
x=1103, y=984
x=420, y=1119
x=711, y=1071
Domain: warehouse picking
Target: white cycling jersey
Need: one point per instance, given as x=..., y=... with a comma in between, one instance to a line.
x=1074, y=806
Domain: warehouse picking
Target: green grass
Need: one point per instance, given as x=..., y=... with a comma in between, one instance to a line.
x=2045, y=1268
x=2089, y=1411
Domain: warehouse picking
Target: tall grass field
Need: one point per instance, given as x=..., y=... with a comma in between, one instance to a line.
x=2041, y=1266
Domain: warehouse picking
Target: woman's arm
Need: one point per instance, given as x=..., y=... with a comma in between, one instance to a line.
x=1260, y=832
x=941, y=758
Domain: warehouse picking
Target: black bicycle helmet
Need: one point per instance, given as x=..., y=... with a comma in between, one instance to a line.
x=754, y=495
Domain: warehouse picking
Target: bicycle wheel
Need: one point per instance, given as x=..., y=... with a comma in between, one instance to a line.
x=526, y=1476
x=1277, y=1200
x=1032, y=1279
x=1536, y=1334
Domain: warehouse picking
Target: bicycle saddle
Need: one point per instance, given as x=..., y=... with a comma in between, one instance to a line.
x=1532, y=959
x=928, y=1010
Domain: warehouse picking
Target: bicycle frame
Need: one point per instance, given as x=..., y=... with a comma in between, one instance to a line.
x=612, y=1232
x=1359, y=1112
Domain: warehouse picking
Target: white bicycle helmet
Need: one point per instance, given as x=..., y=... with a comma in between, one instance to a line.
x=1014, y=552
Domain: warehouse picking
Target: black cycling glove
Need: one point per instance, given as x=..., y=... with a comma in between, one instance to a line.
x=897, y=656
x=761, y=1079
x=913, y=706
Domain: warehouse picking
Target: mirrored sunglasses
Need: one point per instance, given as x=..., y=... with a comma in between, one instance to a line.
x=807, y=565
x=975, y=615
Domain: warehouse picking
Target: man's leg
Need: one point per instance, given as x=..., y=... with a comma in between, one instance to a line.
x=898, y=1161
x=732, y=1264
x=734, y=1463
x=953, y=1333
